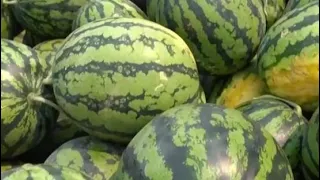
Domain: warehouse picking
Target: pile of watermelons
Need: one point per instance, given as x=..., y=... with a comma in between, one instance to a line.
x=159, y=89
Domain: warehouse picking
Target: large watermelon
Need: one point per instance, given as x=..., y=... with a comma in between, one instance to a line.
x=238, y=88
x=282, y=119
x=288, y=57
x=112, y=76
x=96, y=158
x=223, y=35
x=47, y=18
x=43, y=172
x=24, y=120
x=198, y=142
x=310, y=149
x=99, y=9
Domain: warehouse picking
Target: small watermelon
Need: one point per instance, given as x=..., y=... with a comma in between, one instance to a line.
x=99, y=9
x=282, y=119
x=202, y=142
x=47, y=18
x=288, y=57
x=273, y=10
x=310, y=149
x=222, y=35
x=43, y=172
x=236, y=89
x=24, y=117
x=100, y=60
x=96, y=158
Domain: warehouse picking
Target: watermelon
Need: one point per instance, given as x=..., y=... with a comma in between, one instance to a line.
x=100, y=60
x=49, y=19
x=273, y=10
x=223, y=35
x=203, y=141
x=282, y=119
x=310, y=149
x=238, y=88
x=96, y=158
x=99, y=9
x=292, y=4
x=288, y=57
x=47, y=49
x=24, y=117
x=41, y=171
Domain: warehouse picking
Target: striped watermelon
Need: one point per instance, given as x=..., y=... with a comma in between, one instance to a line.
x=202, y=142
x=47, y=49
x=24, y=120
x=236, y=89
x=273, y=10
x=41, y=172
x=282, y=119
x=94, y=157
x=223, y=35
x=310, y=149
x=112, y=76
x=99, y=9
x=47, y=18
x=288, y=57
x=292, y=4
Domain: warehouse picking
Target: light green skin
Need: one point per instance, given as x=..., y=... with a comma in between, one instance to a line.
x=112, y=124
x=99, y=9
x=43, y=172
x=96, y=158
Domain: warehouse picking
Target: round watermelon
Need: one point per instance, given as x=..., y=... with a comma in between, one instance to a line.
x=310, y=149
x=47, y=18
x=24, y=117
x=288, y=57
x=222, y=35
x=99, y=9
x=202, y=142
x=282, y=119
x=96, y=158
x=112, y=76
x=41, y=172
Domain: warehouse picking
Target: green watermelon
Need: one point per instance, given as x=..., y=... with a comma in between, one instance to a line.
x=100, y=60
x=310, y=149
x=43, y=172
x=47, y=49
x=292, y=4
x=47, y=18
x=223, y=35
x=282, y=119
x=202, y=142
x=96, y=158
x=273, y=10
x=288, y=57
x=24, y=118
x=238, y=88
x=99, y=9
